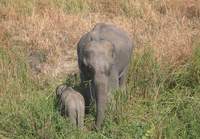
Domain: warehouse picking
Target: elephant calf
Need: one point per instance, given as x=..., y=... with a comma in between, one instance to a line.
x=71, y=104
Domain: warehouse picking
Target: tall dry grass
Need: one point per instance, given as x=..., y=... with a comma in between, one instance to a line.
x=170, y=27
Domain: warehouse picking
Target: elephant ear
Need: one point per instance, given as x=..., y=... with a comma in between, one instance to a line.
x=60, y=89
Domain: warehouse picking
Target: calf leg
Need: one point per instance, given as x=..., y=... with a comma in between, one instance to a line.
x=72, y=116
x=81, y=115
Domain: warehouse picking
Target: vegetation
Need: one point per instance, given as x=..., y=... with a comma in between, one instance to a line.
x=161, y=99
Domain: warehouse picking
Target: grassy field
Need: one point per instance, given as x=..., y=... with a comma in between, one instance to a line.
x=162, y=95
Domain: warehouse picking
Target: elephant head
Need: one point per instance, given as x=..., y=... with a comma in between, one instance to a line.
x=60, y=89
x=98, y=58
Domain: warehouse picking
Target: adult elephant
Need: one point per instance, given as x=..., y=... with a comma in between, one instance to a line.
x=103, y=57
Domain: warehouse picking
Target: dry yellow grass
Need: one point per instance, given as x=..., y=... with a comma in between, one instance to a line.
x=168, y=26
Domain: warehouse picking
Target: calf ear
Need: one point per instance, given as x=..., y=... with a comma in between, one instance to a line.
x=60, y=89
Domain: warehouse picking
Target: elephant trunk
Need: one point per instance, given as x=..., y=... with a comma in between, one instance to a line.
x=101, y=86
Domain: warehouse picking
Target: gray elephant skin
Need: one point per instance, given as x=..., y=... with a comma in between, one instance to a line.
x=103, y=57
x=71, y=104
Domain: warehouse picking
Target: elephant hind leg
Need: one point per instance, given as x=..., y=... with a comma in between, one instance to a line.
x=73, y=116
x=80, y=118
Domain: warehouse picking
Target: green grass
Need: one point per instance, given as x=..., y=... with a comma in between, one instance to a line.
x=159, y=102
